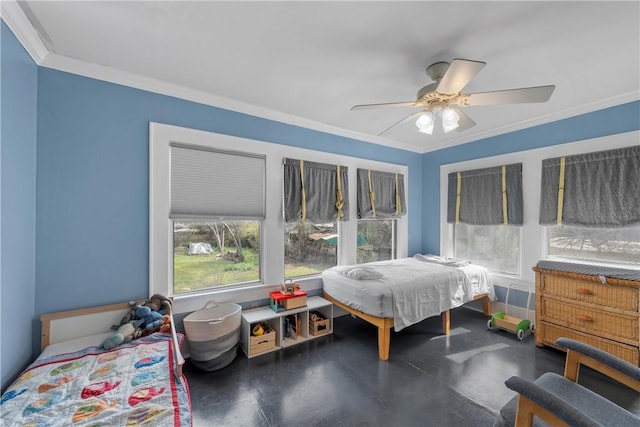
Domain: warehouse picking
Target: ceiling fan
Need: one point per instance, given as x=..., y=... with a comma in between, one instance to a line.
x=443, y=98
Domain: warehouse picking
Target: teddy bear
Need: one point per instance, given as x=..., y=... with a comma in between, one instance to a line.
x=123, y=334
x=159, y=303
x=147, y=318
x=166, y=324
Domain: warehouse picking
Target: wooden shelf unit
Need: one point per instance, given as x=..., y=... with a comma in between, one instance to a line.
x=276, y=322
x=581, y=307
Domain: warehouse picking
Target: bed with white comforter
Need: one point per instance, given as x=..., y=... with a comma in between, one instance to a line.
x=407, y=290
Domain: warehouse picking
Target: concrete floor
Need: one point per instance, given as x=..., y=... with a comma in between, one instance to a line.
x=337, y=380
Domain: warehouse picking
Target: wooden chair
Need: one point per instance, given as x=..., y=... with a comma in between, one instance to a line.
x=561, y=401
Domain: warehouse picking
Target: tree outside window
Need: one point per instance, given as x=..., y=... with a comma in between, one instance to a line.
x=212, y=253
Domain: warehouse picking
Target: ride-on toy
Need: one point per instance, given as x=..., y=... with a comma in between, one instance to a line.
x=509, y=323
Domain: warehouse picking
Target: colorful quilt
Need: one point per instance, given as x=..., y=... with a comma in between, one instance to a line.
x=133, y=384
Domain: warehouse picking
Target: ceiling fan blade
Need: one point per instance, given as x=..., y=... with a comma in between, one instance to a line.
x=511, y=96
x=464, y=122
x=459, y=73
x=387, y=104
x=401, y=121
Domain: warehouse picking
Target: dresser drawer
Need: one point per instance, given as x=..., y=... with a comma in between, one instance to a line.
x=552, y=332
x=591, y=320
x=622, y=297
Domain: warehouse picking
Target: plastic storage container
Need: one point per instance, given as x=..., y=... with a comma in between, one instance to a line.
x=214, y=335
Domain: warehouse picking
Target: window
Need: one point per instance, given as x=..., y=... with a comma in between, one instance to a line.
x=205, y=188
x=309, y=248
x=376, y=240
x=211, y=253
x=496, y=247
x=621, y=245
x=591, y=205
x=381, y=201
x=208, y=185
x=485, y=206
x=315, y=198
x=539, y=237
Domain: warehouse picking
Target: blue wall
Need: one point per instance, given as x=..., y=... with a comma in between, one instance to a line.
x=609, y=121
x=18, y=83
x=92, y=191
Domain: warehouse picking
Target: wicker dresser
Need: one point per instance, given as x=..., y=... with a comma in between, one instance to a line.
x=581, y=307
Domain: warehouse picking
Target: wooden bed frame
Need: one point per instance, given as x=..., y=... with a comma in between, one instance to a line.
x=385, y=324
x=72, y=324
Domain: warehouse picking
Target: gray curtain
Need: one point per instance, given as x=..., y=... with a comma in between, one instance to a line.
x=481, y=199
x=385, y=204
x=601, y=189
x=320, y=188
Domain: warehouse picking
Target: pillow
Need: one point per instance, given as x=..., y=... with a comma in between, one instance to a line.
x=362, y=273
x=74, y=345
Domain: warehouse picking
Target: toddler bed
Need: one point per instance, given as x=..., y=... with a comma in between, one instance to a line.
x=399, y=293
x=74, y=381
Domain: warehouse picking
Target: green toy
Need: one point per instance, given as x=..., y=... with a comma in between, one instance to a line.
x=509, y=323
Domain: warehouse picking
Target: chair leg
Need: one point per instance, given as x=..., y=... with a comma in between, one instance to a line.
x=528, y=408
x=524, y=413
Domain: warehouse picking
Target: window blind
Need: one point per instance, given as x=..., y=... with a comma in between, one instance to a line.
x=312, y=191
x=380, y=194
x=600, y=189
x=210, y=183
x=486, y=196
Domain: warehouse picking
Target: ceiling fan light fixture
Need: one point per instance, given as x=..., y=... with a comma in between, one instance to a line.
x=425, y=122
x=450, y=119
x=450, y=79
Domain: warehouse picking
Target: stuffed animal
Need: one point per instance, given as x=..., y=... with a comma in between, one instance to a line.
x=166, y=324
x=128, y=317
x=159, y=303
x=124, y=334
x=147, y=318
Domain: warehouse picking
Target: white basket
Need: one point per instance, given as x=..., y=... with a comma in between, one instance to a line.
x=212, y=321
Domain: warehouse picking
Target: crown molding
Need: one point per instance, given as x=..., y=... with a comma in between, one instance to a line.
x=16, y=20
x=117, y=76
x=547, y=118
x=125, y=78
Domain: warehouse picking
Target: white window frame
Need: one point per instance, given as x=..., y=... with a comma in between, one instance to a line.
x=272, y=229
x=533, y=235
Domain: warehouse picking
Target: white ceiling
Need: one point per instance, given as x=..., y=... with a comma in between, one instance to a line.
x=307, y=63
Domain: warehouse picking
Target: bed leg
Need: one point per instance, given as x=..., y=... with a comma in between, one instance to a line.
x=446, y=322
x=384, y=341
x=486, y=306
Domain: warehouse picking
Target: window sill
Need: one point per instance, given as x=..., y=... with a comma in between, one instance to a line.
x=186, y=303
x=503, y=280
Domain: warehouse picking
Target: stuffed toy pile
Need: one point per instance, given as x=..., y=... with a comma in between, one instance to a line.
x=142, y=319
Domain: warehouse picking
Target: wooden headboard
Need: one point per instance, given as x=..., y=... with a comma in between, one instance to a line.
x=68, y=325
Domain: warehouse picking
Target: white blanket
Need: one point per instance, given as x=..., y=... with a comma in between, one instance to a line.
x=422, y=288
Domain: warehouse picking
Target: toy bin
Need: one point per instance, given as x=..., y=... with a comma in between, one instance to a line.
x=214, y=335
x=263, y=338
x=318, y=324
